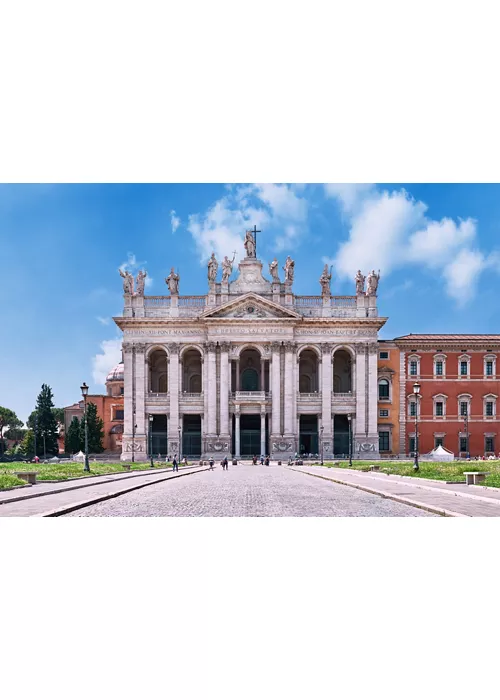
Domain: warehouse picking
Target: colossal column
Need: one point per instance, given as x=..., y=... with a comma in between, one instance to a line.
x=288, y=389
x=212, y=390
x=263, y=450
x=237, y=431
x=276, y=391
x=326, y=399
x=128, y=408
x=224, y=391
x=140, y=393
x=173, y=390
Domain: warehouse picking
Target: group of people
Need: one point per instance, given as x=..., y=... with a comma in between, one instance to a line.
x=263, y=460
x=175, y=463
x=224, y=463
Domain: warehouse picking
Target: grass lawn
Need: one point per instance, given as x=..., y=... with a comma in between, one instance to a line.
x=7, y=481
x=443, y=471
x=66, y=470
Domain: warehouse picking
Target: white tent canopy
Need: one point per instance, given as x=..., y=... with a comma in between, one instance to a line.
x=79, y=457
x=440, y=454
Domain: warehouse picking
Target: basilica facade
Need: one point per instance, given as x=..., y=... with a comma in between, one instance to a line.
x=250, y=368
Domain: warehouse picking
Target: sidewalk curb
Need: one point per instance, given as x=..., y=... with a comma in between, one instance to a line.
x=385, y=494
x=83, y=483
x=419, y=485
x=62, y=510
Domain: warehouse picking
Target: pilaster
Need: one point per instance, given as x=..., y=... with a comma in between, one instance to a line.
x=212, y=389
x=326, y=399
x=224, y=391
x=173, y=388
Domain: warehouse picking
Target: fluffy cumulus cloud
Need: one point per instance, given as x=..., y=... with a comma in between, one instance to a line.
x=175, y=221
x=390, y=230
x=104, y=361
x=279, y=208
x=133, y=266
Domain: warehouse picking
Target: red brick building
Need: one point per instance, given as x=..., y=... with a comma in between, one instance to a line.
x=460, y=387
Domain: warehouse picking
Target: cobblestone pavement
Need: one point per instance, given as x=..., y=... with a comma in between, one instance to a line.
x=250, y=491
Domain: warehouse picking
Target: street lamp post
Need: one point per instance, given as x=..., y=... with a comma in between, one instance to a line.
x=321, y=438
x=85, y=391
x=349, y=419
x=34, y=432
x=466, y=427
x=151, y=439
x=416, y=392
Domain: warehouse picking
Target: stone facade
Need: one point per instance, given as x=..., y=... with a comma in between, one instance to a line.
x=250, y=368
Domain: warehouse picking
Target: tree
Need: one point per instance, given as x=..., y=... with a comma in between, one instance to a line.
x=28, y=444
x=95, y=429
x=46, y=424
x=7, y=418
x=15, y=434
x=59, y=415
x=72, y=441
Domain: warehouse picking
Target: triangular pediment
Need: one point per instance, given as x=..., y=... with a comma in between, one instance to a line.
x=251, y=307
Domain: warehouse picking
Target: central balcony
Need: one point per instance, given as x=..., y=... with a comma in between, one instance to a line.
x=250, y=396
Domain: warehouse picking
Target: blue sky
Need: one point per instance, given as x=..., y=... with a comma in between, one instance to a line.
x=437, y=247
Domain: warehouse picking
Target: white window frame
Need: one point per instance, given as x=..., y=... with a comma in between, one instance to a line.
x=493, y=359
x=439, y=358
x=464, y=358
x=387, y=378
x=439, y=397
x=468, y=399
x=384, y=358
x=384, y=429
x=487, y=398
x=411, y=399
x=387, y=411
x=440, y=436
x=489, y=435
x=417, y=359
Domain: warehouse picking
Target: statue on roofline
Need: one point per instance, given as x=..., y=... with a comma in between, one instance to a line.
x=140, y=282
x=173, y=282
x=213, y=266
x=360, y=282
x=273, y=269
x=324, y=281
x=128, y=282
x=289, y=268
x=249, y=244
x=227, y=267
x=372, y=283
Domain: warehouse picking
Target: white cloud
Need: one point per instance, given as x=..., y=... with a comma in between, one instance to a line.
x=390, y=230
x=462, y=274
x=103, y=362
x=148, y=282
x=273, y=207
x=104, y=321
x=175, y=221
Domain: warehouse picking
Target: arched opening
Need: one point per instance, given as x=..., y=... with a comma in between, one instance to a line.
x=191, y=372
x=383, y=389
x=308, y=372
x=342, y=372
x=158, y=372
x=250, y=369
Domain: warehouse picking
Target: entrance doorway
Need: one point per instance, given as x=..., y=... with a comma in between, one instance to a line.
x=249, y=435
x=340, y=435
x=159, y=437
x=191, y=436
x=308, y=435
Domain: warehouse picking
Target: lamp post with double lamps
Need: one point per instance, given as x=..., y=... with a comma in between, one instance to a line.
x=416, y=393
x=349, y=419
x=85, y=391
x=321, y=445
x=151, y=440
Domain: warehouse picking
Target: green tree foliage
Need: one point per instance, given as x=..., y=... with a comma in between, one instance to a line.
x=95, y=427
x=73, y=442
x=28, y=444
x=15, y=434
x=59, y=415
x=46, y=423
x=7, y=419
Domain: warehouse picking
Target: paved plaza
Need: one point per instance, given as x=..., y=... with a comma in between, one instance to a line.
x=247, y=490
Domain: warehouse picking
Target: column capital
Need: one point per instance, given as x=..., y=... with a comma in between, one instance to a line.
x=326, y=348
x=140, y=347
x=127, y=348
x=173, y=348
x=290, y=346
x=210, y=346
x=276, y=347
x=225, y=346
x=237, y=410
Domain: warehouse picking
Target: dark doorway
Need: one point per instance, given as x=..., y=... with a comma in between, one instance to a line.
x=340, y=435
x=308, y=435
x=159, y=436
x=191, y=436
x=249, y=435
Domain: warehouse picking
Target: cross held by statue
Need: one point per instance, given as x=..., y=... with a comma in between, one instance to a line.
x=255, y=231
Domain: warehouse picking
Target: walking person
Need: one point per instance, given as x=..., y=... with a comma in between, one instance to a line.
x=211, y=463
x=175, y=464
x=226, y=463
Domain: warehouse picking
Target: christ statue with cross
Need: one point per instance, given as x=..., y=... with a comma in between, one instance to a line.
x=250, y=242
